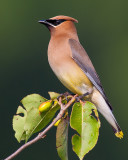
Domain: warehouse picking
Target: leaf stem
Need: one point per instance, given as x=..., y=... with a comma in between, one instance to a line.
x=42, y=134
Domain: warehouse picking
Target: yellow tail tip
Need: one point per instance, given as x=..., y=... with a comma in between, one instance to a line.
x=119, y=134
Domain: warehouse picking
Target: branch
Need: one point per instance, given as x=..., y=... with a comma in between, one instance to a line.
x=42, y=134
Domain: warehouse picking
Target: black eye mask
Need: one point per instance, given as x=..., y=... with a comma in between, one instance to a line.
x=55, y=22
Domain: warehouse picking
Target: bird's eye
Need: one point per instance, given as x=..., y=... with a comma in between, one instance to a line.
x=56, y=22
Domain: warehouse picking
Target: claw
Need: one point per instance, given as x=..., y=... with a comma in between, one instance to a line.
x=66, y=94
x=77, y=99
x=81, y=96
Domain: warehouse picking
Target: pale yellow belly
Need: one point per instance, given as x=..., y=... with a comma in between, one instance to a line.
x=74, y=79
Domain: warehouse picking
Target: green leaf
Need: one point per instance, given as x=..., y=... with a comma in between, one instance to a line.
x=36, y=121
x=32, y=100
x=18, y=124
x=86, y=125
x=53, y=95
x=62, y=139
x=32, y=121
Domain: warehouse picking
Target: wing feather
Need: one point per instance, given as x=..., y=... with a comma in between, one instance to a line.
x=81, y=58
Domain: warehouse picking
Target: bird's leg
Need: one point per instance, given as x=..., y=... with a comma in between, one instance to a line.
x=82, y=96
x=66, y=94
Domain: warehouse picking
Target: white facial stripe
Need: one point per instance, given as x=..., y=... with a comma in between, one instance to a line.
x=50, y=24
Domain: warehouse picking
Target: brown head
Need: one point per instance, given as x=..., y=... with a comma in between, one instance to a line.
x=60, y=25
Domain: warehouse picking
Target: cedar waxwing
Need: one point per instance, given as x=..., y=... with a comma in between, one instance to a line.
x=71, y=64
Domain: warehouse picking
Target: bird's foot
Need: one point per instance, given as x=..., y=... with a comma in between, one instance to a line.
x=64, y=95
x=82, y=96
x=68, y=96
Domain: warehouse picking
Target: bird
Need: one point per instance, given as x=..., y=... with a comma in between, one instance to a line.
x=73, y=67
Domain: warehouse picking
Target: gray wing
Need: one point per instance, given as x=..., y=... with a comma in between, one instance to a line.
x=81, y=58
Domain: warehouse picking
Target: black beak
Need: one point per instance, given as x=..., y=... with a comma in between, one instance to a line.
x=43, y=22
x=46, y=23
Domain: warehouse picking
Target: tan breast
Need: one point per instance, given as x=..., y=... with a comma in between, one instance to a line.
x=65, y=68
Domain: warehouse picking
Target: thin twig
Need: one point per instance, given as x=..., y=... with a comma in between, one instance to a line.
x=42, y=134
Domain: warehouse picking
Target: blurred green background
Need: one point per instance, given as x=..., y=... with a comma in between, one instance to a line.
x=24, y=69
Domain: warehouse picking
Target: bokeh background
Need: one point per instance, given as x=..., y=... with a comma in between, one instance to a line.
x=24, y=69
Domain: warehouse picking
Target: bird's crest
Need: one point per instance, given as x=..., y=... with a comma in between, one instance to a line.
x=67, y=18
